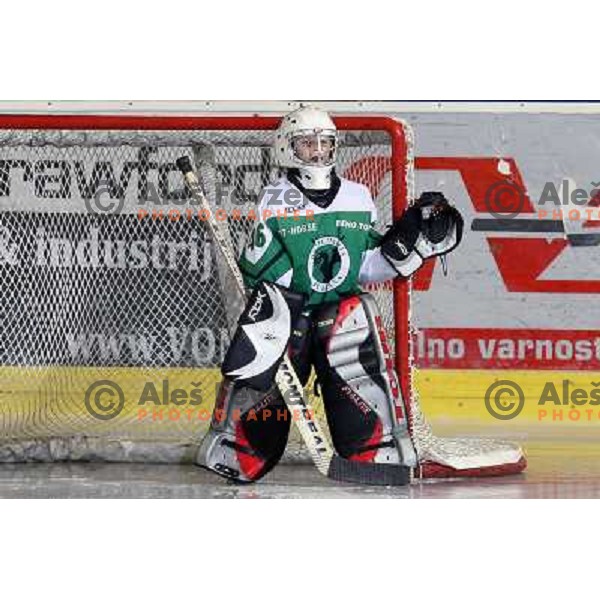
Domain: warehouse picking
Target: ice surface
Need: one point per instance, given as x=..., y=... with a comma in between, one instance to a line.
x=559, y=467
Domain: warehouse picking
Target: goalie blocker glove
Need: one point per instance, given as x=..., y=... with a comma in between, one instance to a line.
x=431, y=227
x=262, y=336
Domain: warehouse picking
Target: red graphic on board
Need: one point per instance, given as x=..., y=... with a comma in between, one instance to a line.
x=502, y=348
x=521, y=261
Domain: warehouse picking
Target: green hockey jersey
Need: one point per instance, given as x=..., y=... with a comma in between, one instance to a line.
x=324, y=253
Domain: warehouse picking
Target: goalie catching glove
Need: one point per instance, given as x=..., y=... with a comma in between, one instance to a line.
x=430, y=227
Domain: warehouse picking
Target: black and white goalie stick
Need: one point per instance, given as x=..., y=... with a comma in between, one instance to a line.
x=327, y=461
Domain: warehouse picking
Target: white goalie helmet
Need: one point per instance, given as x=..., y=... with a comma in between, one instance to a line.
x=307, y=140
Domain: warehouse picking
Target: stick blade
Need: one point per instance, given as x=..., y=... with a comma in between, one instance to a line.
x=352, y=471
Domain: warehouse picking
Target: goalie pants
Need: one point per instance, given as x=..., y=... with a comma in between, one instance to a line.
x=345, y=343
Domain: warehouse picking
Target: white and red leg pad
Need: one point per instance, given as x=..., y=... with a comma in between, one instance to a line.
x=247, y=434
x=361, y=395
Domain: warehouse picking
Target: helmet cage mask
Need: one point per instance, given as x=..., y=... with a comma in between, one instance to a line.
x=314, y=148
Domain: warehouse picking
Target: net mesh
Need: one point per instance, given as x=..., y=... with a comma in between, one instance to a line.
x=116, y=311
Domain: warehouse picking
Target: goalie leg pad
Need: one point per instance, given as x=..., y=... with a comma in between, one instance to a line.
x=249, y=428
x=262, y=335
x=247, y=434
x=361, y=393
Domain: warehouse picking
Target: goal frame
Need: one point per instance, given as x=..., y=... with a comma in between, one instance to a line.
x=400, y=171
x=438, y=457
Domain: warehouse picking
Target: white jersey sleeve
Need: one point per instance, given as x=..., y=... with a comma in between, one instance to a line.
x=374, y=267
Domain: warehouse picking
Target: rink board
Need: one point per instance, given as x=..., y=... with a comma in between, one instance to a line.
x=172, y=404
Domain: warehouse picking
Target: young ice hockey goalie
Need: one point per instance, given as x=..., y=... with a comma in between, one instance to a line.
x=305, y=275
